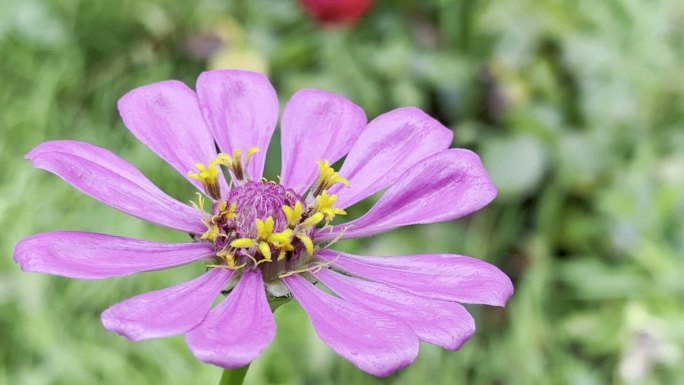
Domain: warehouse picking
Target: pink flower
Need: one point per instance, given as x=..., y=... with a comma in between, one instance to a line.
x=262, y=239
x=336, y=12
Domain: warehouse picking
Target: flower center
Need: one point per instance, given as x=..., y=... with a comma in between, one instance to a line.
x=261, y=200
x=262, y=223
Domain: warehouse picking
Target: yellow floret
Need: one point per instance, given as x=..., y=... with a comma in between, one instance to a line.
x=265, y=250
x=293, y=214
x=307, y=243
x=327, y=177
x=243, y=243
x=313, y=220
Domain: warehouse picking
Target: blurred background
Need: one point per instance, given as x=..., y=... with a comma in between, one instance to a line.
x=576, y=106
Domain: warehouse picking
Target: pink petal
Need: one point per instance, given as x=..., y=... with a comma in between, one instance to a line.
x=316, y=125
x=391, y=144
x=115, y=182
x=166, y=312
x=445, y=324
x=440, y=276
x=447, y=185
x=241, y=109
x=83, y=255
x=239, y=329
x=165, y=116
x=374, y=342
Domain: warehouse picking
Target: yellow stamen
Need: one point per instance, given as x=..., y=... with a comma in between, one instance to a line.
x=313, y=220
x=327, y=177
x=266, y=239
x=225, y=212
x=282, y=255
x=265, y=250
x=237, y=166
x=237, y=161
x=224, y=160
x=208, y=176
x=211, y=234
x=293, y=214
x=281, y=239
x=324, y=203
x=229, y=259
x=250, y=153
x=243, y=243
x=307, y=243
x=265, y=228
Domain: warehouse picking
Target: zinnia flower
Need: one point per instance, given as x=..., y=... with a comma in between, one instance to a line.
x=262, y=239
x=336, y=12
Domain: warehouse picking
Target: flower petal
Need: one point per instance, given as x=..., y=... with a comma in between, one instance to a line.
x=84, y=255
x=241, y=109
x=374, y=342
x=166, y=312
x=316, y=125
x=113, y=181
x=447, y=185
x=445, y=324
x=165, y=116
x=239, y=329
x=446, y=277
x=391, y=143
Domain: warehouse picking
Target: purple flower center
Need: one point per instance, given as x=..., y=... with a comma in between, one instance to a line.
x=260, y=200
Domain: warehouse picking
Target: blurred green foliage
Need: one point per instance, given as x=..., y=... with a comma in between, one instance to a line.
x=577, y=107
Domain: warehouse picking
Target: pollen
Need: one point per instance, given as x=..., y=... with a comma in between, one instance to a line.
x=229, y=259
x=237, y=166
x=226, y=211
x=243, y=243
x=211, y=234
x=313, y=220
x=265, y=250
x=265, y=228
x=267, y=241
x=308, y=243
x=327, y=177
x=324, y=205
x=293, y=214
x=209, y=175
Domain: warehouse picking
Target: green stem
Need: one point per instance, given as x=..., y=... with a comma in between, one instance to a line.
x=237, y=376
x=234, y=376
x=276, y=302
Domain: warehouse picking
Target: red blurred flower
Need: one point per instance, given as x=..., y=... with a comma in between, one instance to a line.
x=334, y=12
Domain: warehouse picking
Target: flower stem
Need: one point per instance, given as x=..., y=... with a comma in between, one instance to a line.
x=234, y=376
x=237, y=376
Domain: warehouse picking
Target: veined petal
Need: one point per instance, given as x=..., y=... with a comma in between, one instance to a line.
x=241, y=109
x=446, y=277
x=445, y=324
x=84, y=255
x=376, y=343
x=447, y=185
x=316, y=125
x=239, y=329
x=166, y=312
x=115, y=182
x=165, y=116
x=391, y=144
